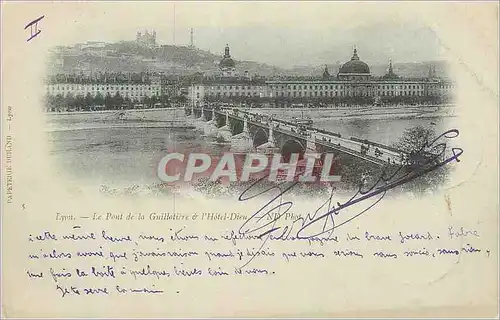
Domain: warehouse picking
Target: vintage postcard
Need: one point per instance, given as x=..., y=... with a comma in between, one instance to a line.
x=249, y=159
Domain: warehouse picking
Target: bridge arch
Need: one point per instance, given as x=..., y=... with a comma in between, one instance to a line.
x=236, y=126
x=219, y=119
x=292, y=146
x=208, y=114
x=260, y=136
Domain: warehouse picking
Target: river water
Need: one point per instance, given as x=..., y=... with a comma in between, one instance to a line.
x=100, y=149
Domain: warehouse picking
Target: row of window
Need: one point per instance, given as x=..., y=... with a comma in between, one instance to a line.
x=383, y=91
x=316, y=94
x=112, y=87
x=104, y=91
x=123, y=94
x=331, y=93
x=232, y=87
x=336, y=87
x=342, y=94
x=349, y=90
x=235, y=90
x=321, y=87
x=230, y=94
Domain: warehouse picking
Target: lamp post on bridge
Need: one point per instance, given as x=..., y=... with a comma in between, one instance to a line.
x=202, y=112
x=270, y=140
x=245, y=124
x=311, y=141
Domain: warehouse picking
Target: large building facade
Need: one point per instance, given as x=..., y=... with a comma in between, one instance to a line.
x=353, y=83
x=213, y=90
x=354, y=80
x=134, y=89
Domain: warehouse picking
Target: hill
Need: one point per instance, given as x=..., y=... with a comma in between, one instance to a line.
x=129, y=56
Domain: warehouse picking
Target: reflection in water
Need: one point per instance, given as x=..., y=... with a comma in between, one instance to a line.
x=385, y=131
x=120, y=155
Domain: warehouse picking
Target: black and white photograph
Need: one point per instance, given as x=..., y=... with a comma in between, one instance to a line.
x=249, y=159
x=114, y=108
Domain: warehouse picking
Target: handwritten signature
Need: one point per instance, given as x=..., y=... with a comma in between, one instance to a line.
x=326, y=218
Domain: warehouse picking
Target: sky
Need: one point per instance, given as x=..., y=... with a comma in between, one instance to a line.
x=284, y=34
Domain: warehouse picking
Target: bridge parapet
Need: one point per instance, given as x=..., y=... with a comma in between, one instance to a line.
x=361, y=148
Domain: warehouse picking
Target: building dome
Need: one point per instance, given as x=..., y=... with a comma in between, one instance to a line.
x=227, y=61
x=354, y=65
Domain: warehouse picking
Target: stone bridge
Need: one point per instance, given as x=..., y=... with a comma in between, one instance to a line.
x=263, y=133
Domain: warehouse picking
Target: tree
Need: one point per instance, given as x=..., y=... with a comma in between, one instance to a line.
x=70, y=100
x=108, y=101
x=117, y=100
x=182, y=99
x=48, y=102
x=89, y=100
x=79, y=101
x=164, y=99
x=415, y=139
x=59, y=101
x=146, y=101
x=413, y=142
x=128, y=101
x=154, y=100
x=99, y=99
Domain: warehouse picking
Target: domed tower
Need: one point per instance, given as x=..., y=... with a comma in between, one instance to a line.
x=390, y=75
x=354, y=69
x=326, y=74
x=227, y=64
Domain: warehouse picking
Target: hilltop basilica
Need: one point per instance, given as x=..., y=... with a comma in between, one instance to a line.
x=147, y=39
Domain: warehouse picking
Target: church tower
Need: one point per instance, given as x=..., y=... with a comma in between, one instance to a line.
x=227, y=65
x=390, y=75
